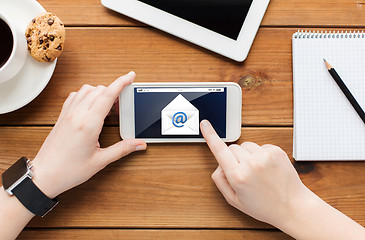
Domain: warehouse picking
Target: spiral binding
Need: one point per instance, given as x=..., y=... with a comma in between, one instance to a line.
x=301, y=34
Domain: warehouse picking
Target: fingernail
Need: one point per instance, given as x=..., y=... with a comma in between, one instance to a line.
x=131, y=73
x=141, y=147
x=205, y=123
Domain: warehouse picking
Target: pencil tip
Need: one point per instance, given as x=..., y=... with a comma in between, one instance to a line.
x=327, y=64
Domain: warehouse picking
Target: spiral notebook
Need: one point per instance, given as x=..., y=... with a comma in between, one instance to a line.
x=326, y=126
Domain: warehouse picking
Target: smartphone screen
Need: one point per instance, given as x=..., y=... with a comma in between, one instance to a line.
x=176, y=112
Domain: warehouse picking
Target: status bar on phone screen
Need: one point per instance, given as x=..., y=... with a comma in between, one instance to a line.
x=148, y=90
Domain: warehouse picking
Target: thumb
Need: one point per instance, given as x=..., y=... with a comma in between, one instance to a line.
x=121, y=149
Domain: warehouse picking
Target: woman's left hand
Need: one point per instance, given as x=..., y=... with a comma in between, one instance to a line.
x=71, y=154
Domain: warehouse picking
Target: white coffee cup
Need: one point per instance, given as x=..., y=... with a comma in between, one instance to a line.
x=19, y=53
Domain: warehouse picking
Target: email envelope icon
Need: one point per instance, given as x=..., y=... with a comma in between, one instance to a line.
x=180, y=117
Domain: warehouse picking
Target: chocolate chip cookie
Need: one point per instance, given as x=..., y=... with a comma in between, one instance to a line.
x=45, y=37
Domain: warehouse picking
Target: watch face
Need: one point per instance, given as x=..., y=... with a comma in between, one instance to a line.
x=16, y=171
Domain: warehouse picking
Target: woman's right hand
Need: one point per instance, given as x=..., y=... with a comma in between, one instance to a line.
x=261, y=182
x=258, y=180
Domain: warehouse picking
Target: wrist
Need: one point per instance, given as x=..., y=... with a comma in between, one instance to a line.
x=44, y=180
x=300, y=213
x=11, y=206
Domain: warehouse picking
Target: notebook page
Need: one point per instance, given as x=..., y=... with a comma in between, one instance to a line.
x=326, y=126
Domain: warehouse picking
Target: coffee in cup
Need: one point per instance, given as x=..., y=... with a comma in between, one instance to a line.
x=6, y=42
x=13, y=47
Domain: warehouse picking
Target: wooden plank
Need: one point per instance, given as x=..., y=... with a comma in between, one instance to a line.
x=327, y=13
x=169, y=187
x=156, y=234
x=73, y=13
x=99, y=55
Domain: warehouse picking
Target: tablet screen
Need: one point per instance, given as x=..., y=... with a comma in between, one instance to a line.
x=225, y=17
x=177, y=112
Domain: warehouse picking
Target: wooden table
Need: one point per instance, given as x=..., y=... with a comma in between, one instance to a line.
x=167, y=192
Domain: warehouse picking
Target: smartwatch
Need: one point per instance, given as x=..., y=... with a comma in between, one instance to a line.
x=17, y=180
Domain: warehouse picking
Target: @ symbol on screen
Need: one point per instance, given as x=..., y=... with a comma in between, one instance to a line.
x=179, y=119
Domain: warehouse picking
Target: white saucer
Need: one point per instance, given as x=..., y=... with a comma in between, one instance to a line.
x=34, y=76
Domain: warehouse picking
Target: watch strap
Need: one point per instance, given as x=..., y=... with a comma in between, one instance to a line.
x=33, y=198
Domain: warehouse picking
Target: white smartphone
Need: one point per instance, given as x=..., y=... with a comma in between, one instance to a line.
x=172, y=112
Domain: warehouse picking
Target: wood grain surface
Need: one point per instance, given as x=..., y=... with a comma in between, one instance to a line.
x=169, y=187
x=325, y=13
x=166, y=192
x=152, y=234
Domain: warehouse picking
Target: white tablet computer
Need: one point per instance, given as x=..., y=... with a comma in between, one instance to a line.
x=227, y=27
